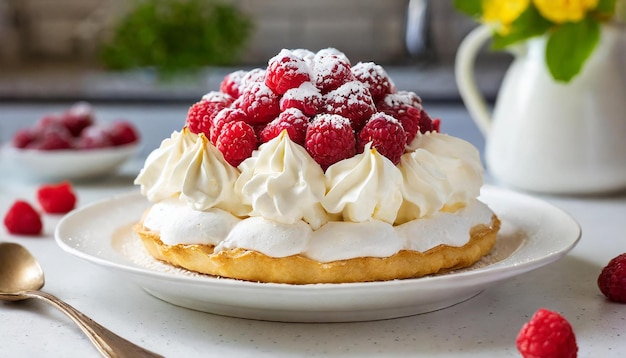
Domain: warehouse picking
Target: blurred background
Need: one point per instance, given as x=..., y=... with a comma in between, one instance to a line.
x=54, y=49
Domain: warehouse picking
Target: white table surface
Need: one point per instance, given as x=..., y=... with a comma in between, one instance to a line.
x=484, y=326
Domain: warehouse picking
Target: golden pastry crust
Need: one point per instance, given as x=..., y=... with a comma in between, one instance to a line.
x=254, y=266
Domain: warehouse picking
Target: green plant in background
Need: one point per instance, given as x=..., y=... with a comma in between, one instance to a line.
x=175, y=36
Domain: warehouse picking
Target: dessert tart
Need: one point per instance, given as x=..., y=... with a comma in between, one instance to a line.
x=314, y=170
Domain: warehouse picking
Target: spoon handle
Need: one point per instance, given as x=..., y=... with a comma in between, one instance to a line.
x=107, y=342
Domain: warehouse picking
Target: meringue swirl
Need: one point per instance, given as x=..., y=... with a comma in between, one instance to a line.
x=364, y=187
x=157, y=178
x=283, y=183
x=438, y=170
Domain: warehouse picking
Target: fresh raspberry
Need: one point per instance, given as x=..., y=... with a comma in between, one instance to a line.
x=23, y=138
x=292, y=120
x=353, y=101
x=386, y=135
x=52, y=136
x=405, y=107
x=375, y=79
x=306, y=98
x=258, y=128
x=437, y=125
x=122, y=132
x=224, y=116
x=547, y=334
x=94, y=137
x=426, y=124
x=23, y=219
x=232, y=82
x=200, y=115
x=237, y=141
x=328, y=72
x=56, y=198
x=612, y=279
x=78, y=117
x=260, y=103
x=46, y=121
x=329, y=139
x=286, y=71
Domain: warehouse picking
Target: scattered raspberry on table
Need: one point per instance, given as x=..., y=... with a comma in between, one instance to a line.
x=547, y=335
x=612, y=279
x=23, y=219
x=56, y=198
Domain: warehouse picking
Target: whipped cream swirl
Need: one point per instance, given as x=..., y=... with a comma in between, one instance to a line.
x=283, y=183
x=364, y=187
x=158, y=179
x=189, y=166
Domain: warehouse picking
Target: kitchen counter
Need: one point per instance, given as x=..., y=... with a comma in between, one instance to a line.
x=484, y=326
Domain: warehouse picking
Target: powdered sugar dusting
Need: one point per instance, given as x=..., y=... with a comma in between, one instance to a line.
x=218, y=97
x=306, y=55
x=334, y=120
x=402, y=99
x=292, y=64
x=296, y=116
x=351, y=93
x=131, y=247
x=329, y=72
x=375, y=78
x=252, y=76
x=387, y=117
x=332, y=52
x=306, y=91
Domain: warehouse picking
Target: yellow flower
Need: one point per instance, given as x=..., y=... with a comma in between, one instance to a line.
x=503, y=11
x=560, y=11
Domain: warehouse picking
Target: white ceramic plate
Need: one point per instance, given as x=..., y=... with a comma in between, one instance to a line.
x=57, y=165
x=534, y=233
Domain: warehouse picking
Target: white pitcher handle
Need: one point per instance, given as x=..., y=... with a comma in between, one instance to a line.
x=465, y=80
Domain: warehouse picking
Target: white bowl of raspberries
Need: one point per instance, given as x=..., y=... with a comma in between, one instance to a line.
x=71, y=145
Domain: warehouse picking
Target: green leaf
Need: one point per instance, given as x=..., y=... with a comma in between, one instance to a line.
x=529, y=24
x=569, y=47
x=606, y=6
x=473, y=8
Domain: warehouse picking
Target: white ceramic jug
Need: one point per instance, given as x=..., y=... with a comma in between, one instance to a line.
x=550, y=137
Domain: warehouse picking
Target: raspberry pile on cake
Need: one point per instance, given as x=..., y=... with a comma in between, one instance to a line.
x=314, y=170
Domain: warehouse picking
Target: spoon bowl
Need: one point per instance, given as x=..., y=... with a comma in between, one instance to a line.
x=19, y=271
x=21, y=277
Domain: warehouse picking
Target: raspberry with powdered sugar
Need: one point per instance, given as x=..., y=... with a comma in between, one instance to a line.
x=325, y=104
x=293, y=121
x=353, y=101
x=231, y=84
x=407, y=108
x=260, y=103
x=306, y=98
x=286, y=71
x=200, y=115
x=386, y=135
x=225, y=116
x=330, y=139
x=375, y=79
x=330, y=72
x=236, y=141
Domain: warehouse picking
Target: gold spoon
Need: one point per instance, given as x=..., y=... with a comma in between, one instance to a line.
x=21, y=277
